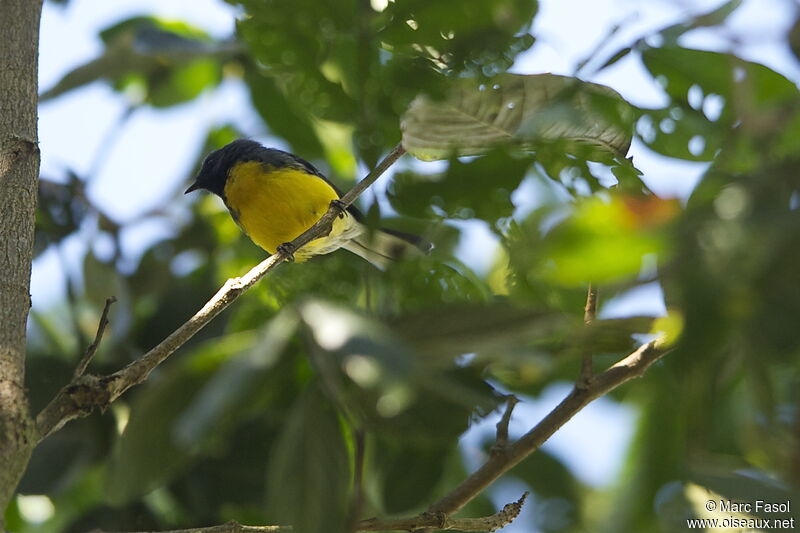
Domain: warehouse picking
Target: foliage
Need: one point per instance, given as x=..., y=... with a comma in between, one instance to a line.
x=257, y=418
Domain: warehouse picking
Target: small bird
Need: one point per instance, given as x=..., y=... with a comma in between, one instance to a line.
x=274, y=196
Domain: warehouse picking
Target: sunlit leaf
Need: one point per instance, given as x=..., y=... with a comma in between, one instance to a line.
x=519, y=110
x=607, y=240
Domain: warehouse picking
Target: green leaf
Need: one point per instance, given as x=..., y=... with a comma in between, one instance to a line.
x=680, y=69
x=162, y=63
x=282, y=113
x=496, y=327
x=146, y=454
x=409, y=474
x=308, y=480
x=475, y=189
x=516, y=109
x=750, y=487
x=232, y=387
x=555, y=488
x=605, y=241
x=310, y=58
x=681, y=132
x=716, y=17
x=62, y=209
x=446, y=37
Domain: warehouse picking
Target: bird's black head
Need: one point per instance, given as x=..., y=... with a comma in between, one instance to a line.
x=215, y=168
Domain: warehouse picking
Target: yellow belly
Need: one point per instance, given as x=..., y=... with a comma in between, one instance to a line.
x=274, y=206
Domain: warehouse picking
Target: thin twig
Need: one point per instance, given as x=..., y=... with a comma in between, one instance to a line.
x=92, y=349
x=632, y=366
x=589, y=315
x=86, y=393
x=501, y=441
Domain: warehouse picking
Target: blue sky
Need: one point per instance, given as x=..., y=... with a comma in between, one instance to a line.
x=156, y=147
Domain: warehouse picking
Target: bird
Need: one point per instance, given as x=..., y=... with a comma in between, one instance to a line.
x=274, y=196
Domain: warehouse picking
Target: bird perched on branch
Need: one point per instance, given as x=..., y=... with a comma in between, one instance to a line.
x=274, y=196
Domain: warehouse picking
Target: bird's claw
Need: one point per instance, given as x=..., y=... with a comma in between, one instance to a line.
x=287, y=250
x=339, y=206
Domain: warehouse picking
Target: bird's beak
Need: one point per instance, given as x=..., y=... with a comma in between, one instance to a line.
x=193, y=187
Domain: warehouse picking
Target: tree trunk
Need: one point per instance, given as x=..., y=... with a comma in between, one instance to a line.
x=19, y=171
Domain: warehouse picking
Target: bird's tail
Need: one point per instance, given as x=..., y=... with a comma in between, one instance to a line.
x=384, y=246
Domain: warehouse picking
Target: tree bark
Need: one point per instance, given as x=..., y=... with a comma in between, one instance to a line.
x=19, y=171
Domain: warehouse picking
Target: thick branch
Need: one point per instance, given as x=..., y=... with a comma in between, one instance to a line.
x=632, y=366
x=89, y=392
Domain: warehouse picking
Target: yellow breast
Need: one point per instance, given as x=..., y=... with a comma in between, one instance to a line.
x=274, y=206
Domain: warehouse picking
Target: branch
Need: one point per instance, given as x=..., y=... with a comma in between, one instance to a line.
x=632, y=366
x=589, y=314
x=88, y=392
x=229, y=527
x=501, y=439
x=92, y=349
x=436, y=521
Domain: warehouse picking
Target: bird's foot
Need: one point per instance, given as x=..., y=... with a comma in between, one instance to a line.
x=286, y=249
x=339, y=206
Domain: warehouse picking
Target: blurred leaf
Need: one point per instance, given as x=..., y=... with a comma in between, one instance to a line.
x=610, y=335
x=309, y=58
x=656, y=456
x=336, y=328
x=410, y=474
x=710, y=92
x=282, y=114
x=447, y=332
x=476, y=189
x=446, y=37
x=750, y=487
x=308, y=481
x=516, y=109
x=794, y=38
x=102, y=281
x=62, y=209
x=691, y=137
x=168, y=62
x=232, y=388
x=557, y=494
x=605, y=241
x=59, y=458
x=146, y=454
x=716, y=17
x=745, y=86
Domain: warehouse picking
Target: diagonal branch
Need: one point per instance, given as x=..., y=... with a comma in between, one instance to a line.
x=632, y=366
x=88, y=392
